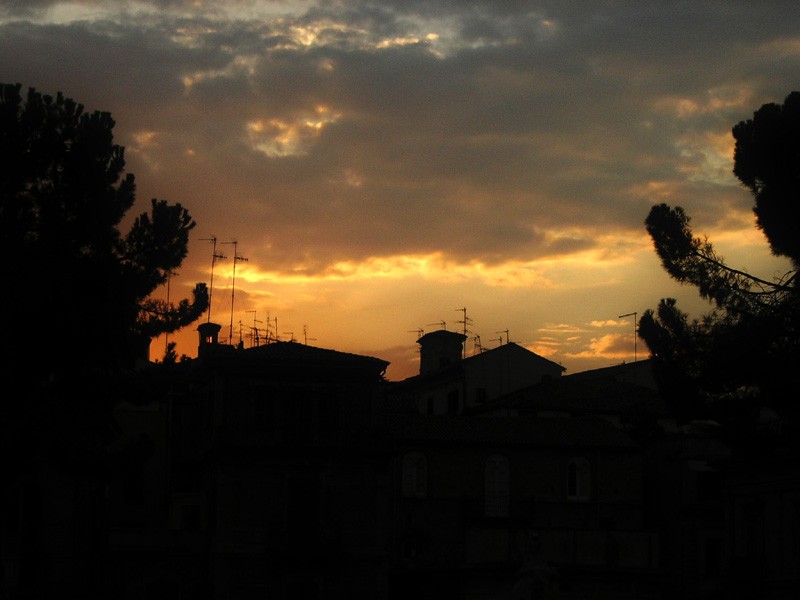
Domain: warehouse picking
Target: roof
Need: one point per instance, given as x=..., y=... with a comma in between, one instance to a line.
x=453, y=369
x=567, y=432
x=282, y=357
x=639, y=372
x=443, y=334
x=512, y=347
x=583, y=395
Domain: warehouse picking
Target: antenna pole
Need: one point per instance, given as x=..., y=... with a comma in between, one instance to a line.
x=305, y=336
x=465, y=321
x=255, y=327
x=633, y=314
x=214, y=257
x=166, y=333
x=236, y=257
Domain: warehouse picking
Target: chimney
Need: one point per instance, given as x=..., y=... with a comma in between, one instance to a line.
x=209, y=336
x=439, y=349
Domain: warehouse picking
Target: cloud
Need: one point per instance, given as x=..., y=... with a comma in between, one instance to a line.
x=506, y=151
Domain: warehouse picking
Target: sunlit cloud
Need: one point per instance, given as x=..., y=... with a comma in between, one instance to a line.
x=280, y=138
x=378, y=160
x=706, y=157
x=560, y=328
x=783, y=47
x=612, y=345
x=607, y=323
x=428, y=267
x=144, y=144
x=242, y=64
x=192, y=36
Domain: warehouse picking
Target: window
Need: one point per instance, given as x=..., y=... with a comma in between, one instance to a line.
x=415, y=475
x=753, y=525
x=579, y=478
x=133, y=485
x=190, y=517
x=480, y=395
x=709, y=486
x=304, y=503
x=497, y=486
x=452, y=402
x=713, y=556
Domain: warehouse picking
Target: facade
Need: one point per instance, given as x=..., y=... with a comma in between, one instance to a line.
x=288, y=471
x=450, y=384
x=488, y=507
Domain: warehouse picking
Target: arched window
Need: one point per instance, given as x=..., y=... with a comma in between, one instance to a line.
x=579, y=478
x=415, y=475
x=497, y=486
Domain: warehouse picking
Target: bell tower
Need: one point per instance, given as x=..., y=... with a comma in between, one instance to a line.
x=440, y=349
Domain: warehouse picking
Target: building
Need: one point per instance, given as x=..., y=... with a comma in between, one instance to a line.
x=449, y=383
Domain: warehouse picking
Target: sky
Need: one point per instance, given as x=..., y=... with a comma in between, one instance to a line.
x=388, y=168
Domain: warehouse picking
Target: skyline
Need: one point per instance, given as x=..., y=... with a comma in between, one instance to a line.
x=387, y=168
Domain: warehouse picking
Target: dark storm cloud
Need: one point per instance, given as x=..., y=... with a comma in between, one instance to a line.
x=518, y=120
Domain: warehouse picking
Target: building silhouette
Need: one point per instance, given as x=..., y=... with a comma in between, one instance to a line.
x=290, y=471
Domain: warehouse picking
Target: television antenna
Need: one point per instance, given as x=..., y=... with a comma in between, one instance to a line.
x=441, y=324
x=305, y=336
x=477, y=347
x=464, y=321
x=214, y=257
x=236, y=258
x=166, y=333
x=255, y=327
x=632, y=314
x=501, y=337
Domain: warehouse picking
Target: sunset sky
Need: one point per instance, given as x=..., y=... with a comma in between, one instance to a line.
x=384, y=165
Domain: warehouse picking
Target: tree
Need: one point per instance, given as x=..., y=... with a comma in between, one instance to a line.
x=77, y=304
x=78, y=292
x=744, y=353
x=78, y=314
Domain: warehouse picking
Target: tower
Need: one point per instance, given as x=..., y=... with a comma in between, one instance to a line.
x=439, y=349
x=209, y=336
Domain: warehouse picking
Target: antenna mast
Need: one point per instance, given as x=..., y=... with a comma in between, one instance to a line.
x=633, y=314
x=464, y=322
x=214, y=257
x=255, y=327
x=166, y=333
x=236, y=257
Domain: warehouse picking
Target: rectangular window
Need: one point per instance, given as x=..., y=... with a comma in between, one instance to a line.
x=452, y=402
x=303, y=510
x=753, y=522
x=713, y=556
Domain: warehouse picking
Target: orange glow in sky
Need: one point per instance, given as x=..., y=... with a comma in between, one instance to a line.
x=384, y=166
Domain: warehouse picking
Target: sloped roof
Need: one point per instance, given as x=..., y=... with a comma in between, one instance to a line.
x=298, y=351
x=455, y=368
x=583, y=395
x=566, y=432
x=512, y=347
x=283, y=357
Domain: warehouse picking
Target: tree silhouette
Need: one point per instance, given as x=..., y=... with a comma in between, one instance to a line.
x=76, y=302
x=77, y=291
x=742, y=355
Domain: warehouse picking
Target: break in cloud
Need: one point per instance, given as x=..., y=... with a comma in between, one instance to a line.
x=391, y=160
